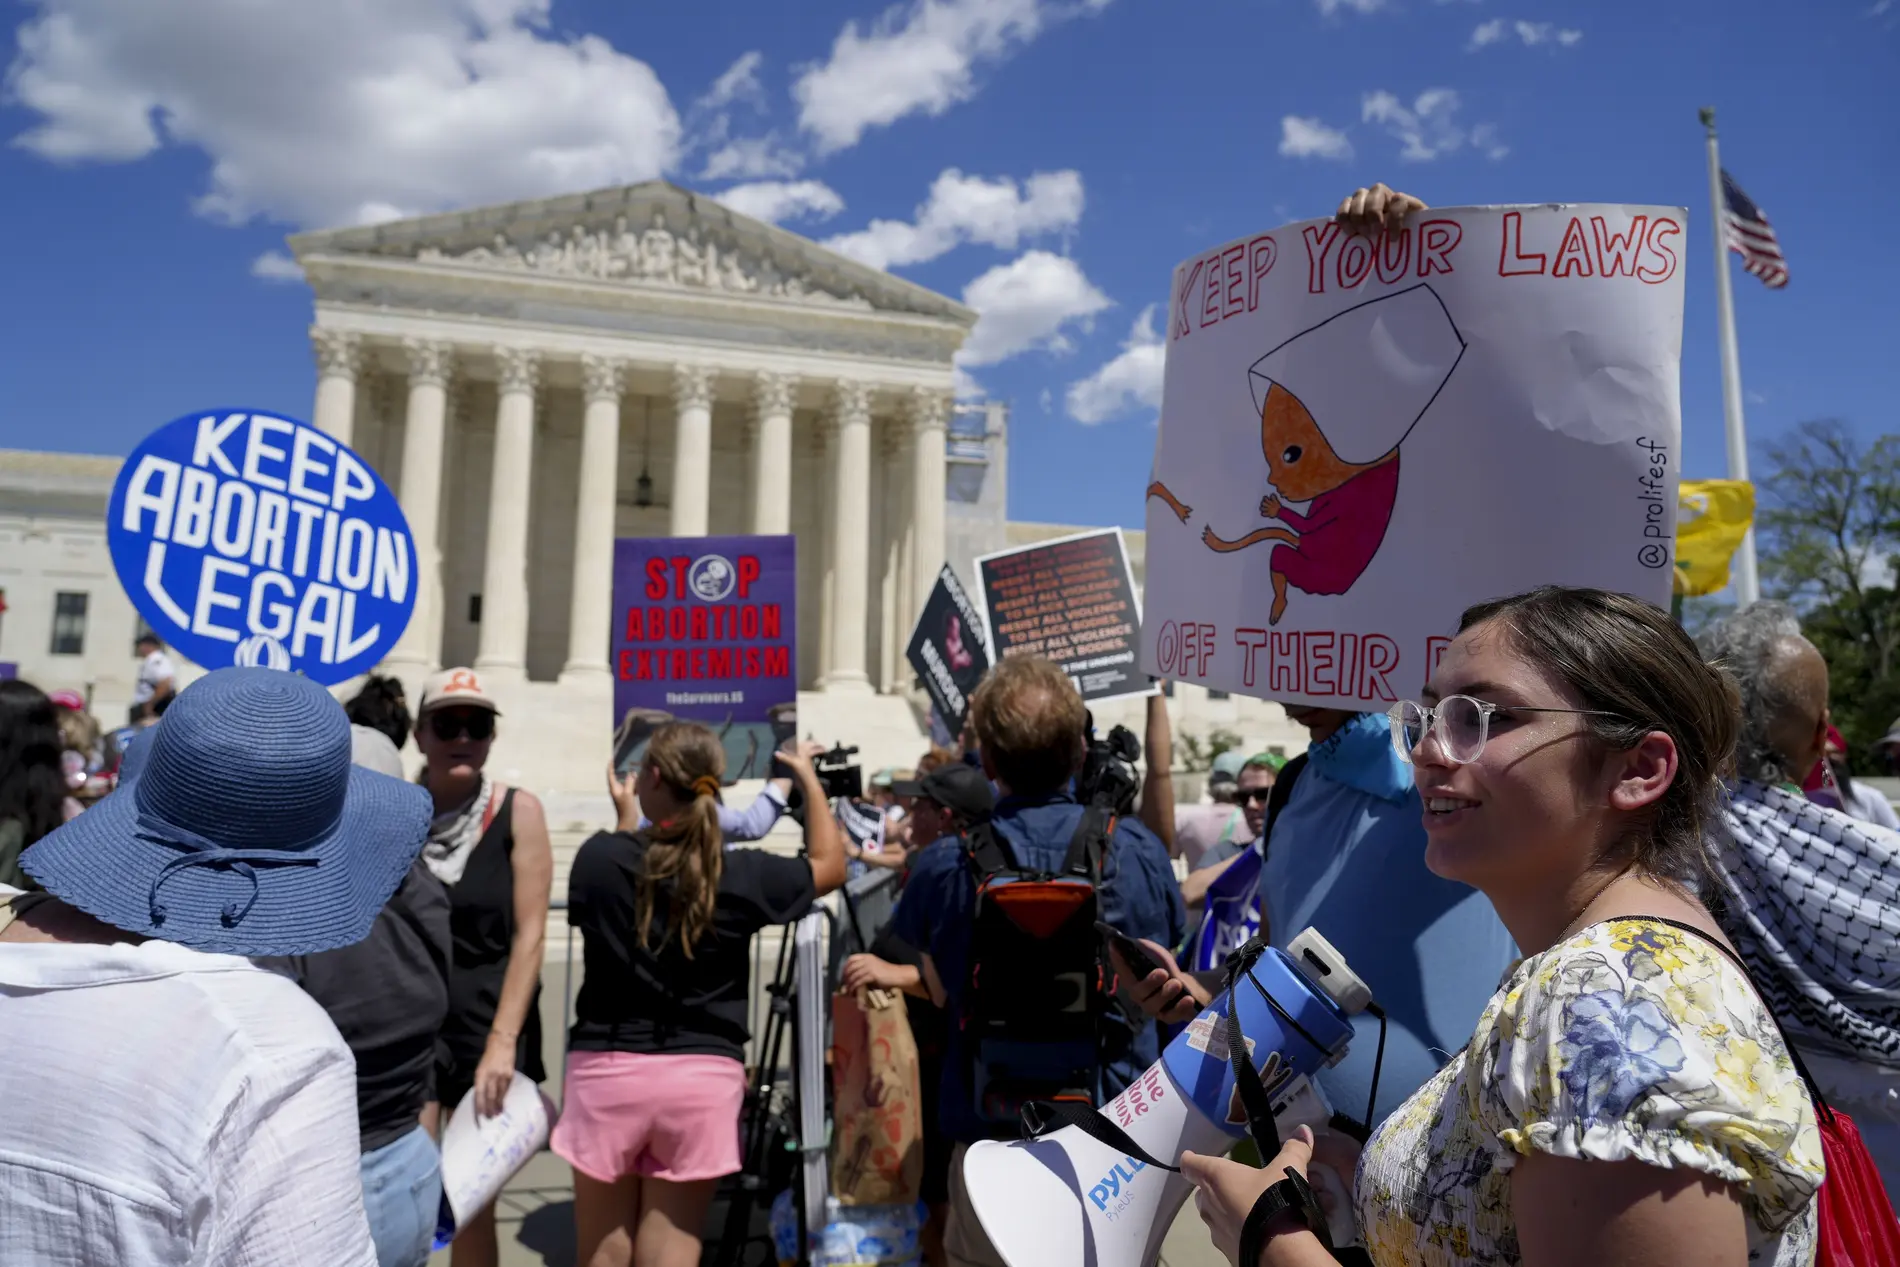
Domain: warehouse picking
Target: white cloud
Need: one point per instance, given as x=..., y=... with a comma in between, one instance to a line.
x=1328, y=8
x=1131, y=379
x=709, y=128
x=342, y=113
x=1530, y=34
x=963, y=209
x=1027, y=303
x=1484, y=139
x=1303, y=137
x=751, y=158
x=916, y=57
x=738, y=83
x=775, y=201
x=1488, y=33
x=965, y=384
x=1429, y=127
x=275, y=266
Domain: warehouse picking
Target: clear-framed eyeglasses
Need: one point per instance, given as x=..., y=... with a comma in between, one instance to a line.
x=1460, y=723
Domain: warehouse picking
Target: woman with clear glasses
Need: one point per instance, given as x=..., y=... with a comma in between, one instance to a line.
x=1626, y=1097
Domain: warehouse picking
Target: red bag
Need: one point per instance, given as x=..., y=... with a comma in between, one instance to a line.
x=1857, y=1222
x=1858, y=1227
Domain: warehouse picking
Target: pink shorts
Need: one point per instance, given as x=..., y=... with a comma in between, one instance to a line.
x=659, y=1117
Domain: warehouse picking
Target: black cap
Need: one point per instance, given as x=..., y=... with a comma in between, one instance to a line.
x=957, y=787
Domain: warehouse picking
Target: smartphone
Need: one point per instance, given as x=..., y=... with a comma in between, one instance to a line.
x=1133, y=953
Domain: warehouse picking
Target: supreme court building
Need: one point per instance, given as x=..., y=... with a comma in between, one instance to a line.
x=539, y=378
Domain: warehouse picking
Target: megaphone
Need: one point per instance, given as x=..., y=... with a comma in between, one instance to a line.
x=1067, y=1198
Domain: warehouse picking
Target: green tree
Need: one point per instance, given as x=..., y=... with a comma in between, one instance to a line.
x=1197, y=752
x=1829, y=525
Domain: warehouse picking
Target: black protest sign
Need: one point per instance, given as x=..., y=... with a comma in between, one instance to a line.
x=947, y=649
x=1072, y=601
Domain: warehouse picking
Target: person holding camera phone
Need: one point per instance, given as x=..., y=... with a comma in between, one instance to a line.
x=655, y=1073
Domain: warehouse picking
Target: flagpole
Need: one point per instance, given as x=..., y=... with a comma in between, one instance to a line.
x=1747, y=582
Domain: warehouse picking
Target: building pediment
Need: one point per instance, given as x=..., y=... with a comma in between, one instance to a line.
x=651, y=237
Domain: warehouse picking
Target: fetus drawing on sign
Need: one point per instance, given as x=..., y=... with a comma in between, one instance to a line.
x=1335, y=403
x=960, y=657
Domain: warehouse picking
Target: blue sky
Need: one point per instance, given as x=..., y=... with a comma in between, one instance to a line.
x=1049, y=160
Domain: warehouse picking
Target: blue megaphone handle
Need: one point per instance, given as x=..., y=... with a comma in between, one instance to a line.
x=1198, y=1061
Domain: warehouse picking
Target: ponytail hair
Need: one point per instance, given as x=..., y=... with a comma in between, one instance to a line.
x=686, y=853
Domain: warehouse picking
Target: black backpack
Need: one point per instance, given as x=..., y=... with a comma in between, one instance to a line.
x=1040, y=980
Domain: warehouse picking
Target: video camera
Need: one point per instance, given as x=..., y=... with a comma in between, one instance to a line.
x=1108, y=776
x=839, y=773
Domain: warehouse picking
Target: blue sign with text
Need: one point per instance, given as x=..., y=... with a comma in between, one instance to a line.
x=254, y=539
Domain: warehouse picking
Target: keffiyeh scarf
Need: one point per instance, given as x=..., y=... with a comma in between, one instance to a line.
x=453, y=836
x=1813, y=902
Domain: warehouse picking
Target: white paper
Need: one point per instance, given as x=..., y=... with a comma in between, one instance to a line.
x=1485, y=402
x=479, y=1156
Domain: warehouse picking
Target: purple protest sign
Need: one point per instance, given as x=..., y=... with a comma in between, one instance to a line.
x=706, y=630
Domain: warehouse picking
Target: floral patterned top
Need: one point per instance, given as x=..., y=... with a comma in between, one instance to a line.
x=1631, y=1039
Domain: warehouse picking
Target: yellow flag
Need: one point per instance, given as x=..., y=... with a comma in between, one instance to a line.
x=1712, y=517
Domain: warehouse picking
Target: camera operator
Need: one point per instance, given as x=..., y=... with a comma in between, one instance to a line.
x=1030, y=725
x=655, y=1078
x=866, y=822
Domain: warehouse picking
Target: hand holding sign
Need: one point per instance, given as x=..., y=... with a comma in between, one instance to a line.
x=1380, y=418
x=249, y=538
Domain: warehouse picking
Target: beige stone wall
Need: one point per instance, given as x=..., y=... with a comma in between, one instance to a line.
x=53, y=539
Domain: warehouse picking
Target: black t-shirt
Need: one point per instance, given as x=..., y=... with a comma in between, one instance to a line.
x=388, y=995
x=653, y=998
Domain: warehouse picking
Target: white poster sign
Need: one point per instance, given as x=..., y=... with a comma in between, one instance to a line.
x=1361, y=437
x=481, y=1154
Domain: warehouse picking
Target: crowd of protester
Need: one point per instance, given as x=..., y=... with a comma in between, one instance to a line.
x=1620, y=899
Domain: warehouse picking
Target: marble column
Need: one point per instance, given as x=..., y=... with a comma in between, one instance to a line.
x=850, y=537
x=928, y=413
x=772, y=453
x=893, y=632
x=339, y=359
x=503, y=647
x=591, y=606
x=692, y=449
x=825, y=444
x=430, y=363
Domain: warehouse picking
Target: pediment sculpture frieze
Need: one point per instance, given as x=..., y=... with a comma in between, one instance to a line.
x=655, y=256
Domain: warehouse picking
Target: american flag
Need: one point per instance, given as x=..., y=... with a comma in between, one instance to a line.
x=1751, y=236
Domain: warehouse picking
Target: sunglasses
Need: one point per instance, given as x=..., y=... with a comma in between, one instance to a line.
x=451, y=724
x=1254, y=796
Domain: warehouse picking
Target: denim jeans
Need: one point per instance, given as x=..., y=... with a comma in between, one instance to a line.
x=402, y=1186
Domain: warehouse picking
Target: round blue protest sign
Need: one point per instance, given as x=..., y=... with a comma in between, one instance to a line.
x=251, y=538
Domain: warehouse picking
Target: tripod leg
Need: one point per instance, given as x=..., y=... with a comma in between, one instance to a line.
x=756, y=1141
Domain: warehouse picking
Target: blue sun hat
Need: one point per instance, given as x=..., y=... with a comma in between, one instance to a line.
x=244, y=828
x=132, y=756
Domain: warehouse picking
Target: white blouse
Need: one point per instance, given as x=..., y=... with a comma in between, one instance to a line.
x=162, y=1106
